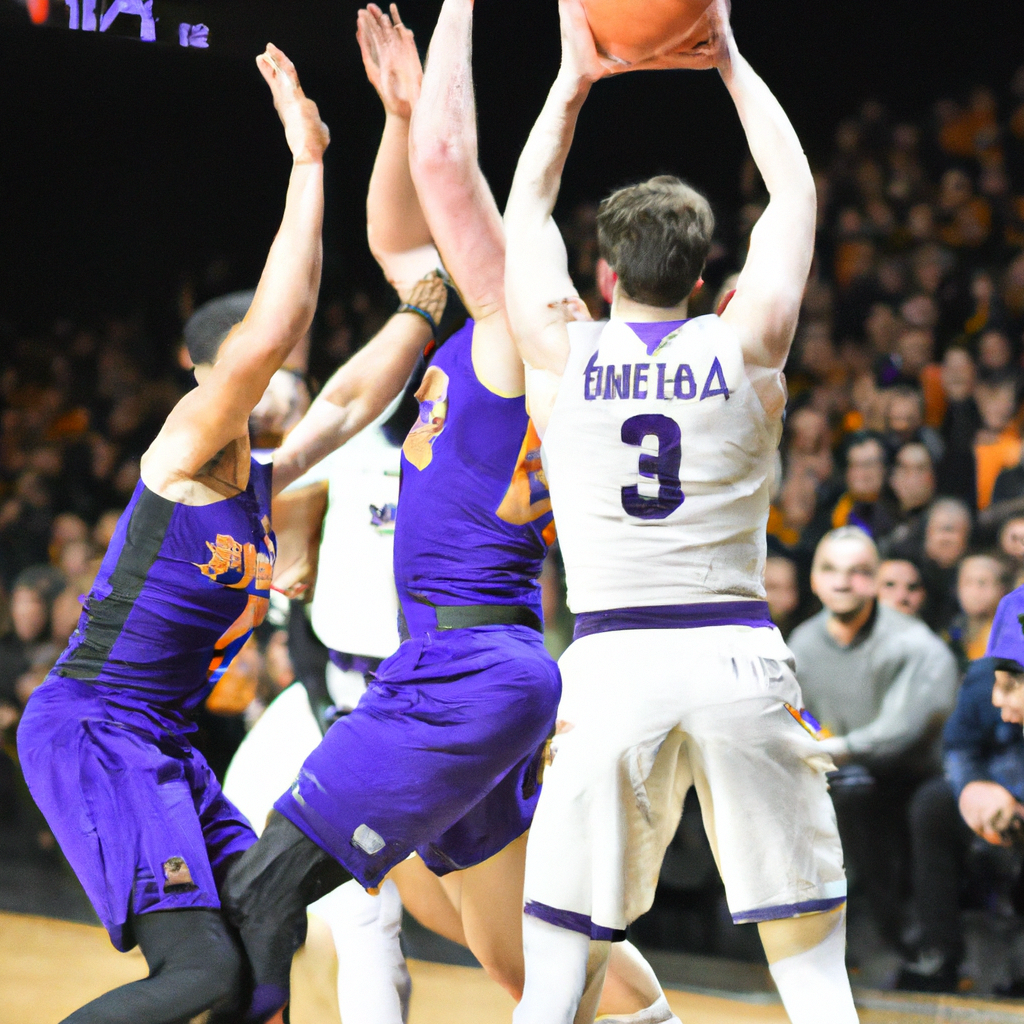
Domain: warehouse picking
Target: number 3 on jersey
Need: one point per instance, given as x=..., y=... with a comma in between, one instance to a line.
x=663, y=467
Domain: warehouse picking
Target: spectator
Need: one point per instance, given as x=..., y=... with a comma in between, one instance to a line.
x=904, y=422
x=864, y=478
x=982, y=582
x=981, y=792
x=997, y=443
x=1011, y=541
x=947, y=532
x=882, y=684
x=912, y=482
x=782, y=590
x=900, y=586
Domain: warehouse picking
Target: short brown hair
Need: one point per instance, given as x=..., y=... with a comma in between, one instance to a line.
x=656, y=236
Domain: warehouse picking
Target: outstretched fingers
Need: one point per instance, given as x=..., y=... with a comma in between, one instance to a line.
x=306, y=134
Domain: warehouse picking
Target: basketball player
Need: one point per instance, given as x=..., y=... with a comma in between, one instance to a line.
x=659, y=435
x=442, y=754
x=104, y=742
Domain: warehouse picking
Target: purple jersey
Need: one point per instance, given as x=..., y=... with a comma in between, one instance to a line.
x=178, y=594
x=475, y=517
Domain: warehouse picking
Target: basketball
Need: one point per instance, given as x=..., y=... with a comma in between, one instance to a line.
x=634, y=30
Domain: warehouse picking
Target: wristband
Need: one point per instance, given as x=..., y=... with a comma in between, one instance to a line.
x=408, y=307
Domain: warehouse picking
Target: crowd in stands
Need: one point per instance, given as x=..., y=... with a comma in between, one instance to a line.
x=896, y=525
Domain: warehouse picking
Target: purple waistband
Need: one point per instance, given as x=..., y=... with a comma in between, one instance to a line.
x=354, y=662
x=675, y=616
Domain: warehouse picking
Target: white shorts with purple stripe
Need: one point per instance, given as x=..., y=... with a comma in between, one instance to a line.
x=645, y=714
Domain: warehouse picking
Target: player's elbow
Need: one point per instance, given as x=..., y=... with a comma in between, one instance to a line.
x=435, y=152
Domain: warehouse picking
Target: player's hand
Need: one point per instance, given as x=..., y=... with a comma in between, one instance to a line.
x=391, y=59
x=988, y=809
x=714, y=49
x=580, y=58
x=307, y=135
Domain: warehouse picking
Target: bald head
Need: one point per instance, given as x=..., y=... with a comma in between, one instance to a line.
x=845, y=570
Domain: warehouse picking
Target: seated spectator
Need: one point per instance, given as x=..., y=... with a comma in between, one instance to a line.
x=995, y=354
x=947, y=532
x=983, y=757
x=982, y=582
x=882, y=684
x=997, y=444
x=864, y=477
x=912, y=483
x=782, y=591
x=900, y=586
x=960, y=423
x=904, y=422
x=1011, y=541
x=792, y=511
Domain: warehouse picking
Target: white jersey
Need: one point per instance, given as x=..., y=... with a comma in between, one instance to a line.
x=659, y=457
x=355, y=606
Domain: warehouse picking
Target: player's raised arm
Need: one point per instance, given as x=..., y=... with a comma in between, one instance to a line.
x=395, y=226
x=400, y=240
x=363, y=388
x=539, y=293
x=771, y=285
x=456, y=199
x=216, y=412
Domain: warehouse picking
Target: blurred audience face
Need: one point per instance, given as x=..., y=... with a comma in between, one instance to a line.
x=844, y=575
x=781, y=588
x=66, y=528
x=900, y=586
x=914, y=348
x=913, y=477
x=958, y=374
x=29, y=614
x=979, y=586
x=997, y=404
x=904, y=415
x=1008, y=696
x=994, y=352
x=946, y=534
x=67, y=610
x=103, y=531
x=1011, y=538
x=76, y=558
x=865, y=470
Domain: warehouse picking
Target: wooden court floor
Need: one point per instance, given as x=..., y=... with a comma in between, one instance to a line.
x=49, y=968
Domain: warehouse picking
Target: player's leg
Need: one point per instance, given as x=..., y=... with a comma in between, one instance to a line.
x=195, y=964
x=372, y=979
x=759, y=773
x=611, y=798
x=266, y=894
x=807, y=959
x=426, y=898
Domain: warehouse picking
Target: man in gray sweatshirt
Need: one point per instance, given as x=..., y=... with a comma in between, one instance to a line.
x=882, y=684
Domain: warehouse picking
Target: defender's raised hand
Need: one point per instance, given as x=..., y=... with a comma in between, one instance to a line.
x=391, y=59
x=306, y=134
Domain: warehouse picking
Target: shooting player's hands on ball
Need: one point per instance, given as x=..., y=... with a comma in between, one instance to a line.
x=391, y=59
x=580, y=59
x=306, y=134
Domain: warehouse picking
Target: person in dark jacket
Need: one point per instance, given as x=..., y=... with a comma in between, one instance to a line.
x=981, y=794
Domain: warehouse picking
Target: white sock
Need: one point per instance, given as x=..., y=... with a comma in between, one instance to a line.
x=556, y=973
x=374, y=986
x=814, y=985
x=658, y=1012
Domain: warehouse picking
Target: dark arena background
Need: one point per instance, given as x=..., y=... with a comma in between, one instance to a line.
x=143, y=172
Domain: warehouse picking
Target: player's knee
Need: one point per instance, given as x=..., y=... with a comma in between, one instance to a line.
x=504, y=970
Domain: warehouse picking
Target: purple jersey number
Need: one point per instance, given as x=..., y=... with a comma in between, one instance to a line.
x=663, y=467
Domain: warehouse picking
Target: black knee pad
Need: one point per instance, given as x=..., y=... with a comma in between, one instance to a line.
x=265, y=896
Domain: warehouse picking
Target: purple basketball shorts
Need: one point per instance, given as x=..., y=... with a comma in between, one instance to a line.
x=441, y=756
x=140, y=816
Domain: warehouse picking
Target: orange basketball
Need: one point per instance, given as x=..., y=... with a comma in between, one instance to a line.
x=39, y=10
x=634, y=30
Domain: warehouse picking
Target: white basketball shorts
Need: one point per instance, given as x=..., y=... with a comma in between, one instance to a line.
x=647, y=713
